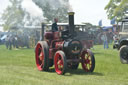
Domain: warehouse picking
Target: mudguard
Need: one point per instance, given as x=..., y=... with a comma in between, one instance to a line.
x=123, y=41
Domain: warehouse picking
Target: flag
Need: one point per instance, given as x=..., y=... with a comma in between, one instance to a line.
x=113, y=21
x=100, y=23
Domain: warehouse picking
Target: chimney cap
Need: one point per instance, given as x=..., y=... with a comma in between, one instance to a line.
x=71, y=13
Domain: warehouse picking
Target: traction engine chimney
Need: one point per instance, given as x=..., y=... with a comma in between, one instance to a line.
x=71, y=23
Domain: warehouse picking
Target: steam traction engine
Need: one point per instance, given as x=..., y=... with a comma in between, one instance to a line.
x=62, y=50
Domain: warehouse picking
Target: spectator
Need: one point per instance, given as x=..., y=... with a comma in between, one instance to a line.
x=115, y=38
x=105, y=40
x=7, y=41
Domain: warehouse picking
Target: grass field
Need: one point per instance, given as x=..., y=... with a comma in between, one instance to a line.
x=17, y=67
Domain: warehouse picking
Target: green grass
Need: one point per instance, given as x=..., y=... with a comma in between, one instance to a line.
x=17, y=67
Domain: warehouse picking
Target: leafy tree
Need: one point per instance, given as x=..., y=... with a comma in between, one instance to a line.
x=13, y=15
x=117, y=8
x=54, y=9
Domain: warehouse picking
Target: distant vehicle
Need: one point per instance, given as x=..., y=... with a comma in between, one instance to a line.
x=122, y=43
x=22, y=41
x=2, y=39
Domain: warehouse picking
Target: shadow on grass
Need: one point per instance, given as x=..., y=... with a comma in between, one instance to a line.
x=52, y=70
x=101, y=53
x=71, y=72
x=97, y=53
x=82, y=72
x=24, y=48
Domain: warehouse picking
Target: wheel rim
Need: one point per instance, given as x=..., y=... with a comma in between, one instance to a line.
x=39, y=57
x=86, y=61
x=59, y=63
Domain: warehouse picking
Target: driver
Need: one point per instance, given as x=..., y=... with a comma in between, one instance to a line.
x=55, y=29
x=54, y=25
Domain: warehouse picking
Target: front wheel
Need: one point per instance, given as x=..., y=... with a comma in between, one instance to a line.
x=41, y=54
x=60, y=62
x=88, y=61
x=124, y=54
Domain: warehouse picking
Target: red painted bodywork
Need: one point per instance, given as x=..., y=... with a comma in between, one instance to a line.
x=59, y=45
x=87, y=43
x=52, y=35
x=54, y=41
x=48, y=35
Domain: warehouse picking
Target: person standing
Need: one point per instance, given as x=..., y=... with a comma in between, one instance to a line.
x=54, y=25
x=105, y=40
x=7, y=41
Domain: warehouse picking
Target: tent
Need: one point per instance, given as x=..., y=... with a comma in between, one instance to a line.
x=107, y=27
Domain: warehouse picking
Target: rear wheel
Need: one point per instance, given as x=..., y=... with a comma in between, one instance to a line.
x=88, y=61
x=41, y=54
x=60, y=62
x=124, y=54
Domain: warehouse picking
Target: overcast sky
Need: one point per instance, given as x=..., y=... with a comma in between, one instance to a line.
x=85, y=10
x=90, y=11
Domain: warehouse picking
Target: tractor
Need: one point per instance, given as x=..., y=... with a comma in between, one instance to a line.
x=122, y=41
x=63, y=50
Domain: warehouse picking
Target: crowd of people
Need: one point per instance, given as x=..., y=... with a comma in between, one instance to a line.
x=17, y=40
x=100, y=37
x=108, y=37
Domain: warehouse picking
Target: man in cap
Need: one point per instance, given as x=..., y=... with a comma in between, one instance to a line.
x=54, y=25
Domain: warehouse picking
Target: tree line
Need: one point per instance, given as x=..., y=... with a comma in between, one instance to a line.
x=15, y=16
x=117, y=9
